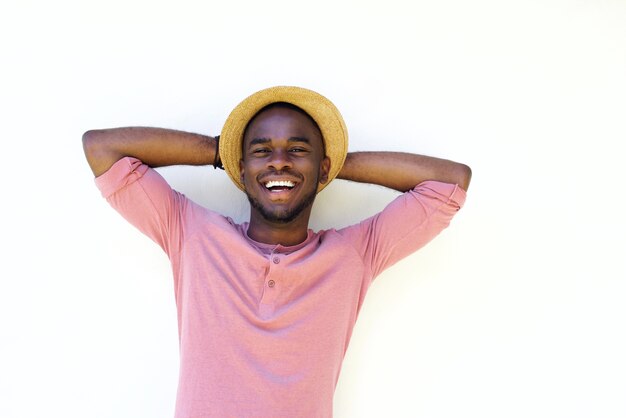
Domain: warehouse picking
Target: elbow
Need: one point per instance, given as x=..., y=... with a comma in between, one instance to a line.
x=89, y=138
x=464, y=176
x=95, y=152
x=92, y=142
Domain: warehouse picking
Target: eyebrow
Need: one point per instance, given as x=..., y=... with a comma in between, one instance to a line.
x=257, y=141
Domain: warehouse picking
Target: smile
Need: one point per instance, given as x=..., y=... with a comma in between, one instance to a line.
x=279, y=185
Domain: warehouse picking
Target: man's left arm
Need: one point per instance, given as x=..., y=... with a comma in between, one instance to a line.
x=402, y=171
x=412, y=220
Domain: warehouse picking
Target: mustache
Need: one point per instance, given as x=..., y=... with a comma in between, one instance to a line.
x=282, y=174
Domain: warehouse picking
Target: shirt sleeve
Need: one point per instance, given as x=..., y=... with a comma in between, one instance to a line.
x=406, y=224
x=145, y=200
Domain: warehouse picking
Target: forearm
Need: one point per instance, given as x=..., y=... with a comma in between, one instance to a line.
x=154, y=146
x=402, y=171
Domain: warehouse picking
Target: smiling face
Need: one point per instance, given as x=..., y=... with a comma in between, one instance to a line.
x=283, y=163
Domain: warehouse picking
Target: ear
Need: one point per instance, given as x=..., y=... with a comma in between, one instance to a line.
x=241, y=169
x=324, y=170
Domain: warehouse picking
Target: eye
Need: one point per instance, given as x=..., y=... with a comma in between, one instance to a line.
x=260, y=150
x=297, y=149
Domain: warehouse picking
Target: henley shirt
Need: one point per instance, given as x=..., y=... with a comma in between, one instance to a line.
x=263, y=329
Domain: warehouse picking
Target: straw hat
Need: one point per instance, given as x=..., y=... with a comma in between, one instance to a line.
x=326, y=115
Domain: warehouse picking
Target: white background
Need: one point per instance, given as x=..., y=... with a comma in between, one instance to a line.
x=517, y=310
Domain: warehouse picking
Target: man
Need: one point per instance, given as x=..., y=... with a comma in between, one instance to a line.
x=266, y=308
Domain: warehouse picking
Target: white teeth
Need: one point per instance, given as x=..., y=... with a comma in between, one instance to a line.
x=279, y=183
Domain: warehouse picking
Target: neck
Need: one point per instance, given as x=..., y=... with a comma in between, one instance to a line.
x=286, y=234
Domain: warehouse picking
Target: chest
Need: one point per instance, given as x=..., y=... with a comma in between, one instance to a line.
x=244, y=284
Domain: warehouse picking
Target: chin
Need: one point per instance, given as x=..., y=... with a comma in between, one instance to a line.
x=282, y=215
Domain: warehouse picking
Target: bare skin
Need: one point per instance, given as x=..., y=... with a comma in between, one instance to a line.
x=282, y=145
x=402, y=171
x=279, y=145
x=154, y=146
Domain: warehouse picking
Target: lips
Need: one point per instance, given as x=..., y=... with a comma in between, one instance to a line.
x=275, y=183
x=279, y=185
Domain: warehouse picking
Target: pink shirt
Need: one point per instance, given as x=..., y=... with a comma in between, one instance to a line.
x=263, y=328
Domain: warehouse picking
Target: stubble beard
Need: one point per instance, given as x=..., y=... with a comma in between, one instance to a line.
x=282, y=215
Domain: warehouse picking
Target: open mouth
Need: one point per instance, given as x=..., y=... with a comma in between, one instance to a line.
x=276, y=186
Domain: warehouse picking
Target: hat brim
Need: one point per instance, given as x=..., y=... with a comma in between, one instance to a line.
x=322, y=110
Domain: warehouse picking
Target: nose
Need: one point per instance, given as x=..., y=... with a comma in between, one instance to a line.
x=280, y=160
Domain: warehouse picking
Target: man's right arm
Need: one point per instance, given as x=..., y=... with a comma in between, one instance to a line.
x=155, y=147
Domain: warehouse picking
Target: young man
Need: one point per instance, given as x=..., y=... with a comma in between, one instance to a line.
x=266, y=308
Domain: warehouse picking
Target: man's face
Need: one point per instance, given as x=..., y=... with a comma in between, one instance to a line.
x=283, y=162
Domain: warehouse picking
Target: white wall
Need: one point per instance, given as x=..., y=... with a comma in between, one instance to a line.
x=515, y=311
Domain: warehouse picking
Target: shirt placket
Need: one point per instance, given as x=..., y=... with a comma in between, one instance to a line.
x=272, y=285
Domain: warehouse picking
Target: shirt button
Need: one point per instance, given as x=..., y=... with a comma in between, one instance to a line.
x=276, y=260
x=271, y=283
